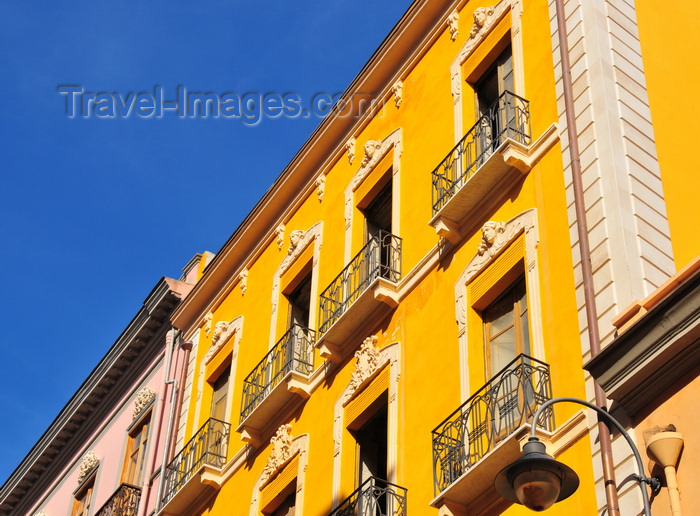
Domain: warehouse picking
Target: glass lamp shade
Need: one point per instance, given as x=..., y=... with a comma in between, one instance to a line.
x=536, y=480
x=537, y=489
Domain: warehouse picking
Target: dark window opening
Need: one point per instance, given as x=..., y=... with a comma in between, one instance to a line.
x=378, y=230
x=300, y=302
x=491, y=112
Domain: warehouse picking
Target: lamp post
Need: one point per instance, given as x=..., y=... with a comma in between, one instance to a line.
x=537, y=481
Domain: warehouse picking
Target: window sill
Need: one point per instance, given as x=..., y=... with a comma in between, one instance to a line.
x=263, y=420
x=374, y=303
x=204, y=483
x=491, y=182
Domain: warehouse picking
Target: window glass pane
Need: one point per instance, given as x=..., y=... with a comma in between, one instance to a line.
x=503, y=350
x=136, y=454
x=500, y=316
x=81, y=505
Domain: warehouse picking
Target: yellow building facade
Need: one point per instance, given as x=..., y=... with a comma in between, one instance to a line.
x=378, y=332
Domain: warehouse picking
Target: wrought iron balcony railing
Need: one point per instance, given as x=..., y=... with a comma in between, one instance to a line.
x=207, y=447
x=293, y=352
x=379, y=258
x=508, y=117
x=375, y=497
x=124, y=502
x=508, y=401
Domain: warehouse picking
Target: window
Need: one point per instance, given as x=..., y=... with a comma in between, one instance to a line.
x=371, y=441
x=287, y=507
x=136, y=452
x=83, y=498
x=300, y=303
x=492, y=110
x=378, y=229
x=220, y=395
x=497, y=79
x=506, y=331
x=378, y=213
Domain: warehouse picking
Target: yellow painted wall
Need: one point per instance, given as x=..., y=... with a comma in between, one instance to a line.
x=424, y=322
x=671, y=71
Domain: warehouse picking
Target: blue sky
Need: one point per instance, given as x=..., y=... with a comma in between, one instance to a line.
x=93, y=211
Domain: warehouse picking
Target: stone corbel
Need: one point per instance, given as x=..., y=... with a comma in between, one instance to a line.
x=321, y=186
x=279, y=234
x=350, y=148
x=397, y=90
x=453, y=24
x=243, y=278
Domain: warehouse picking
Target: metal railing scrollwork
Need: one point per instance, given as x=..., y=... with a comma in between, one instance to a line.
x=293, y=352
x=124, y=502
x=375, y=497
x=508, y=401
x=508, y=117
x=379, y=258
x=207, y=447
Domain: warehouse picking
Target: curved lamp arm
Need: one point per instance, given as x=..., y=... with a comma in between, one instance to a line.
x=641, y=478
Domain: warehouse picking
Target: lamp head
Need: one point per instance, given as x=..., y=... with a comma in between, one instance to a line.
x=536, y=480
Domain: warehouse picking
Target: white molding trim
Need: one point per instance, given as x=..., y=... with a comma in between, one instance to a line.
x=232, y=329
x=299, y=241
x=373, y=155
x=491, y=16
x=391, y=355
x=526, y=223
x=299, y=446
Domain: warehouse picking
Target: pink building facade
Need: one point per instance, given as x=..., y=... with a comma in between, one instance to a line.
x=102, y=454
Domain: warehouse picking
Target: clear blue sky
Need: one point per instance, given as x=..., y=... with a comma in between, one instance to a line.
x=93, y=211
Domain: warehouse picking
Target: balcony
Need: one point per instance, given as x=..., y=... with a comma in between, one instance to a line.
x=124, y=502
x=279, y=377
x=482, y=436
x=484, y=165
x=361, y=294
x=375, y=497
x=196, y=468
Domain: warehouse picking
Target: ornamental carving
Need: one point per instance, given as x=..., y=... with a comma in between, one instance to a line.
x=397, y=90
x=367, y=362
x=371, y=147
x=453, y=24
x=495, y=236
x=295, y=238
x=89, y=462
x=377, y=150
x=243, y=278
x=143, y=399
x=207, y=324
x=350, y=147
x=484, y=20
x=222, y=333
x=321, y=186
x=219, y=330
x=281, y=452
x=491, y=232
x=279, y=233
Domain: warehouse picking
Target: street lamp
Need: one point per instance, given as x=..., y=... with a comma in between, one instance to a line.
x=537, y=481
